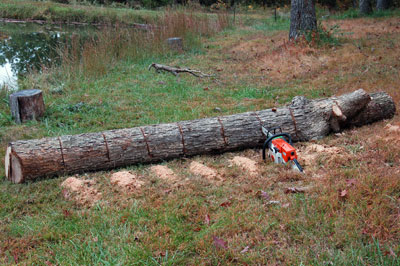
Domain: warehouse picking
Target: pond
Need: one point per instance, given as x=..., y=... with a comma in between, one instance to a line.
x=28, y=46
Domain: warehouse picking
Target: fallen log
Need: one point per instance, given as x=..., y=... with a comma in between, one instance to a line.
x=303, y=119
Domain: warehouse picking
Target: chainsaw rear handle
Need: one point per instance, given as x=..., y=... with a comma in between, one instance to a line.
x=271, y=138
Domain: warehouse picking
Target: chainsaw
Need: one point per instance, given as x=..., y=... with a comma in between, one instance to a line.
x=280, y=148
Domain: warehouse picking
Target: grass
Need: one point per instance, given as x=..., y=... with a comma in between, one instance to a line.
x=355, y=13
x=61, y=13
x=166, y=224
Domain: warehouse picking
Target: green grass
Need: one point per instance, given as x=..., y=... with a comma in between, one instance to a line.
x=56, y=12
x=355, y=13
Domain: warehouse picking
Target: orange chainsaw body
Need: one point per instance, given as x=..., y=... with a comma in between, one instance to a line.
x=287, y=150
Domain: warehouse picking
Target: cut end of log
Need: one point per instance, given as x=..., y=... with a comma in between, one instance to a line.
x=13, y=167
x=7, y=163
x=338, y=113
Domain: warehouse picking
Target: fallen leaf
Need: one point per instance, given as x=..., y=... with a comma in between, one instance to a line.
x=293, y=190
x=197, y=229
x=159, y=254
x=66, y=213
x=219, y=243
x=226, y=204
x=245, y=249
x=351, y=182
x=263, y=195
x=207, y=219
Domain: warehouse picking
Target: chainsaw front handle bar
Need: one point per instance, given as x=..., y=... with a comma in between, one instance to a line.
x=271, y=138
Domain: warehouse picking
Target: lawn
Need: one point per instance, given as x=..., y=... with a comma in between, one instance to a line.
x=348, y=215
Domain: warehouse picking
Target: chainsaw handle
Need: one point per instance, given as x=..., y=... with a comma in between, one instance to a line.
x=271, y=138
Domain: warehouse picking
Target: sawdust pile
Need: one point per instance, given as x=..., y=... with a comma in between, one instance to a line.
x=246, y=164
x=392, y=128
x=204, y=171
x=164, y=173
x=126, y=180
x=81, y=191
x=310, y=154
x=392, y=133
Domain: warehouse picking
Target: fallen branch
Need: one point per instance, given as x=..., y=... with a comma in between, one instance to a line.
x=177, y=70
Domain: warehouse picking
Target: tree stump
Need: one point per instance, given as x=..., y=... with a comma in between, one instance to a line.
x=175, y=43
x=26, y=105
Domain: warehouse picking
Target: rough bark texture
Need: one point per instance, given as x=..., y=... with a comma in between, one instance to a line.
x=382, y=4
x=26, y=105
x=365, y=7
x=303, y=120
x=302, y=18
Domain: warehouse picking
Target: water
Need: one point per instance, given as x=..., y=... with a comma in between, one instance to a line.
x=28, y=46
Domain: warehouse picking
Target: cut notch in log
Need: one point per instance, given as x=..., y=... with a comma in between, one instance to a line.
x=26, y=105
x=303, y=119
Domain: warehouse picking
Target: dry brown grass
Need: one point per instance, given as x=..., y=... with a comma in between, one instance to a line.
x=368, y=58
x=95, y=56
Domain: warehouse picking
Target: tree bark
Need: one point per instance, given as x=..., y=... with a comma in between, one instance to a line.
x=302, y=119
x=302, y=18
x=26, y=105
x=365, y=7
x=382, y=4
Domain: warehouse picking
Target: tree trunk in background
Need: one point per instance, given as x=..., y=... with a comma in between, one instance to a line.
x=365, y=7
x=304, y=120
x=382, y=4
x=302, y=18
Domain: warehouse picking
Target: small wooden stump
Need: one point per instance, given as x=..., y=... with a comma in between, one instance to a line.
x=26, y=105
x=175, y=43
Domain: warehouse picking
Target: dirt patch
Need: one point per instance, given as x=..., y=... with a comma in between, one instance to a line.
x=164, y=173
x=126, y=180
x=204, y=171
x=311, y=153
x=247, y=164
x=81, y=191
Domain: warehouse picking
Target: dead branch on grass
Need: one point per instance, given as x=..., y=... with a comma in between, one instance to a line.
x=177, y=70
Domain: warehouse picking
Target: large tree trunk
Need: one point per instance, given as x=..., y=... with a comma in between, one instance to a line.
x=302, y=18
x=303, y=120
x=382, y=4
x=365, y=7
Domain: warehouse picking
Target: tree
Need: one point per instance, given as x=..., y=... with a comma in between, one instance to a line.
x=383, y=4
x=365, y=7
x=302, y=18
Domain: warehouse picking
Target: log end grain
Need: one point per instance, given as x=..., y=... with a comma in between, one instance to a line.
x=13, y=167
